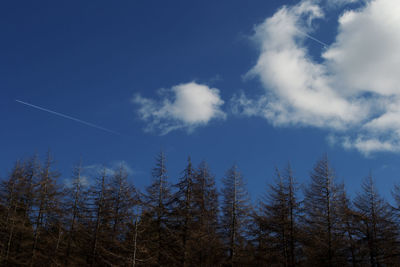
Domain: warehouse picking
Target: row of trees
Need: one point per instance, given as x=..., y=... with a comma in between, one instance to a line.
x=108, y=222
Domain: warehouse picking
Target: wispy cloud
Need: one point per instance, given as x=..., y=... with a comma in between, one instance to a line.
x=84, y=181
x=90, y=172
x=109, y=169
x=354, y=90
x=184, y=106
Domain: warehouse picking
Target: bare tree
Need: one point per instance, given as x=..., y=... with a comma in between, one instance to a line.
x=349, y=228
x=75, y=210
x=110, y=223
x=182, y=214
x=100, y=220
x=279, y=218
x=48, y=216
x=236, y=211
x=123, y=199
x=322, y=221
x=206, y=208
x=156, y=214
x=377, y=230
x=12, y=219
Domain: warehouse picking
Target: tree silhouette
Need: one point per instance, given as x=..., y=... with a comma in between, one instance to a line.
x=236, y=211
x=101, y=219
x=322, y=224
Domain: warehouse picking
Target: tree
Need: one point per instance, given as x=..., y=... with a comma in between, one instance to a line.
x=155, y=216
x=349, y=226
x=322, y=224
x=133, y=242
x=206, y=208
x=377, y=231
x=236, y=211
x=99, y=221
x=276, y=231
x=123, y=200
x=110, y=223
x=14, y=233
x=280, y=211
x=48, y=228
x=75, y=210
x=182, y=215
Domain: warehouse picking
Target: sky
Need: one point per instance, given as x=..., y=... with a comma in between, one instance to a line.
x=257, y=83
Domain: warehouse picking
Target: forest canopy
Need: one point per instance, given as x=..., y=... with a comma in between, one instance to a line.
x=110, y=222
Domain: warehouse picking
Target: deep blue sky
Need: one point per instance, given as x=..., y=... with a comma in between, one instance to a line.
x=88, y=59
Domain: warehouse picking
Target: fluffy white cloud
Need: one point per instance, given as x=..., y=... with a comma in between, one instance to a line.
x=299, y=90
x=190, y=106
x=355, y=88
x=365, y=56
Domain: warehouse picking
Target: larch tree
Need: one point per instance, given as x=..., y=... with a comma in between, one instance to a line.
x=47, y=216
x=134, y=243
x=235, y=214
x=99, y=221
x=17, y=200
x=377, y=231
x=349, y=228
x=75, y=203
x=182, y=216
x=206, y=209
x=124, y=199
x=155, y=216
x=277, y=235
x=323, y=238
x=12, y=215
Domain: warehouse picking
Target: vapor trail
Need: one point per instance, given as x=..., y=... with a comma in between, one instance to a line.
x=68, y=117
x=314, y=39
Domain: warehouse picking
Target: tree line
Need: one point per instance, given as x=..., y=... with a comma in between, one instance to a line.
x=109, y=222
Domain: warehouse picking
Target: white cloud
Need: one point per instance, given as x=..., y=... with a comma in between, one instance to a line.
x=90, y=172
x=109, y=169
x=84, y=181
x=367, y=145
x=355, y=89
x=190, y=106
x=242, y=105
x=299, y=90
x=366, y=54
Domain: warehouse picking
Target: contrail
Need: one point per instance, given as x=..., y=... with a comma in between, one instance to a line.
x=68, y=117
x=314, y=39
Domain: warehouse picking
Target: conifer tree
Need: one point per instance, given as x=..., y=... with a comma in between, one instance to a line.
x=133, y=242
x=47, y=220
x=16, y=200
x=123, y=200
x=99, y=224
x=206, y=209
x=377, y=231
x=349, y=228
x=322, y=226
x=76, y=208
x=182, y=215
x=12, y=219
x=109, y=223
x=156, y=213
x=236, y=211
x=275, y=226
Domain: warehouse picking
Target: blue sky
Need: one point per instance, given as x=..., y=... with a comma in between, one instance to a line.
x=224, y=81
